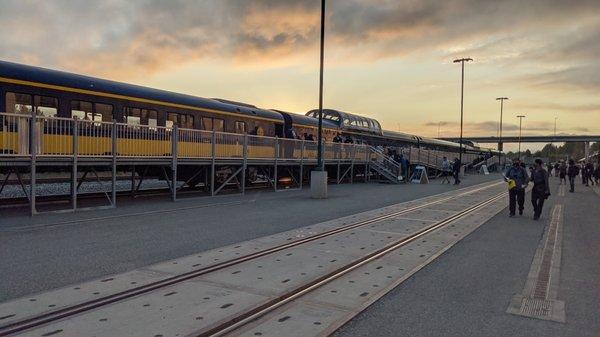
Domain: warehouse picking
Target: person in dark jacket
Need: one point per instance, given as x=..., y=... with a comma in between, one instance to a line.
x=572, y=172
x=541, y=188
x=589, y=173
x=456, y=170
x=563, y=172
x=516, y=195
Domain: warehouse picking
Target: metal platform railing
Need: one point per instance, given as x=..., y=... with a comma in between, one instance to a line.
x=55, y=137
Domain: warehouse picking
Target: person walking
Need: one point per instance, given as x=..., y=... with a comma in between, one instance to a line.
x=541, y=188
x=597, y=173
x=405, y=167
x=563, y=172
x=445, y=170
x=456, y=171
x=516, y=193
x=589, y=173
x=572, y=172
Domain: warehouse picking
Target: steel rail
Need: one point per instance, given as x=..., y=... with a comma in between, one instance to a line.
x=258, y=312
x=49, y=317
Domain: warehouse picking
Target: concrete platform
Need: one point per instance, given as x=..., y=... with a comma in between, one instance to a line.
x=56, y=250
x=218, y=296
x=469, y=290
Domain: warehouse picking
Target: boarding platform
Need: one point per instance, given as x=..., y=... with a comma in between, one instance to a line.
x=90, y=152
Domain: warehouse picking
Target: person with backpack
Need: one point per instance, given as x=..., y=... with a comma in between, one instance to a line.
x=572, y=172
x=516, y=193
x=541, y=188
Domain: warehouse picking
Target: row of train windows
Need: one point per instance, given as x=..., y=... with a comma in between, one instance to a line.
x=98, y=112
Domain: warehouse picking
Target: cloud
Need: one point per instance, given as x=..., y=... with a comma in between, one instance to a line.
x=133, y=38
x=582, y=108
x=586, y=77
x=488, y=128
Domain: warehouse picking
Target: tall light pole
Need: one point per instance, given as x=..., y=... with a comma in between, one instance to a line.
x=320, y=166
x=462, y=95
x=500, y=145
x=318, y=177
x=556, y=151
x=439, y=124
x=520, y=117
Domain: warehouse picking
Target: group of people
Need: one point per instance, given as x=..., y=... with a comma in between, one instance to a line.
x=518, y=179
x=450, y=169
x=590, y=173
x=339, y=139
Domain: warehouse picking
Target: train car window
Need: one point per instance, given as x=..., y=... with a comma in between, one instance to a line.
x=132, y=116
x=218, y=125
x=103, y=112
x=171, y=120
x=82, y=110
x=207, y=123
x=187, y=121
x=88, y=111
x=19, y=103
x=240, y=127
x=181, y=120
x=46, y=106
x=137, y=116
x=149, y=117
x=213, y=124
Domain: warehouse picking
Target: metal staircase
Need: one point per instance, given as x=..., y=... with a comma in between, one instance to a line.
x=384, y=167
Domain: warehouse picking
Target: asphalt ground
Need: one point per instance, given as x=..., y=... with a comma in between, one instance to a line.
x=52, y=250
x=467, y=290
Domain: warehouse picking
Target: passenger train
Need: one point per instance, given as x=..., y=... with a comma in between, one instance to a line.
x=54, y=93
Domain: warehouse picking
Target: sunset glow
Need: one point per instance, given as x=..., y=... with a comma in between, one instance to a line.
x=390, y=60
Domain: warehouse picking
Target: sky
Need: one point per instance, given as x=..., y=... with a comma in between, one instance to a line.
x=390, y=60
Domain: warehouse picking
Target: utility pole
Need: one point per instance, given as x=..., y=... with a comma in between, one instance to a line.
x=320, y=166
x=462, y=94
x=556, y=151
x=318, y=177
x=500, y=145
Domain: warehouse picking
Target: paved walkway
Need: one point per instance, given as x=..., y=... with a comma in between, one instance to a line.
x=54, y=250
x=467, y=291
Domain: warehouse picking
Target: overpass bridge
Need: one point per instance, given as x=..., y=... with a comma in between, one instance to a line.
x=586, y=139
x=530, y=139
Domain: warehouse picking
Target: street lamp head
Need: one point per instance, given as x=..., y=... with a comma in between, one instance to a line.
x=520, y=116
x=501, y=98
x=463, y=60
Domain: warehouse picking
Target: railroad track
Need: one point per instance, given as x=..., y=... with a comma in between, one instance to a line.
x=243, y=318
x=254, y=314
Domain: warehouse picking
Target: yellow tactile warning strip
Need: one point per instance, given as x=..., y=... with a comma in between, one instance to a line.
x=540, y=295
